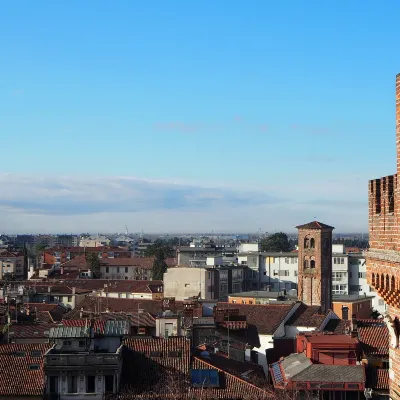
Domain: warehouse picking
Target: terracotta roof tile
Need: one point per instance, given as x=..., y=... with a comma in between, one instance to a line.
x=17, y=374
x=160, y=369
x=308, y=316
x=373, y=336
x=379, y=379
x=25, y=331
x=142, y=262
x=96, y=304
x=144, y=320
x=266, y=317
x=314, y=225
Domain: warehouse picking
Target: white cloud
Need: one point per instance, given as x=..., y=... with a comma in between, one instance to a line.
x=75, y=204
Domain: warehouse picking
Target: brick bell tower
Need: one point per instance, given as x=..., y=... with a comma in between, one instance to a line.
x=383, y=256
x=315, y=265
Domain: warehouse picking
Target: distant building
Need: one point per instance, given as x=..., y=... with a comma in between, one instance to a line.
x=67, y=241
x=279, y=272
x=206, y=283
x=94, y=241
x=58, y=255
x=12, y=263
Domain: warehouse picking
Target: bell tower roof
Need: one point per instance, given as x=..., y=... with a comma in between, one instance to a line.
x=315, y=225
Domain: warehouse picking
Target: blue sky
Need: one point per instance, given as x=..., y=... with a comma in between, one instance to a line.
x=174, y=115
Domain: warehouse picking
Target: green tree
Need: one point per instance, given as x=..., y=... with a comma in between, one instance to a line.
x=159, y=268
x=276, y=243
x=160, y=250
x=93, y=263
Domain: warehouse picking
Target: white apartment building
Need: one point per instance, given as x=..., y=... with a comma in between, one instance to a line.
x=278, y=271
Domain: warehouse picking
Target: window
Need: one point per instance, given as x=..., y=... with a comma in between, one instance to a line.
x=295, y=273
x=117, y=270
x=67, y=343
x=305, y=265
x=34, y=367
x=312, y=264
x=155, y=354
x=126, y=270
x=287, y=261
x=20, y=354
x=306, y=242
x=275, y=272
x=312, y=243
x=69, y=299
x=339, y=289
x=284, y=272
x=339, y=276
x=107, y=270
x=362, y=275
x=36, y=353
x=53, y=384
x=109, y=383
x=82, y=343
x=72, y=384
x=381, y=302
x=90, y=384
x=174, y=354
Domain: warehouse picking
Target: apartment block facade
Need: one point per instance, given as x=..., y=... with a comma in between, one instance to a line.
x=279, y=271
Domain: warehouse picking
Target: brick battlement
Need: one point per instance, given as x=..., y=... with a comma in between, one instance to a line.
x=383, y=212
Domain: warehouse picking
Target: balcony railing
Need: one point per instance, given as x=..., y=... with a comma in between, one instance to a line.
x=81, y=359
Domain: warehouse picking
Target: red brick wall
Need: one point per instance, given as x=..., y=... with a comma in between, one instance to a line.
x=315, y=284
x=383, y=258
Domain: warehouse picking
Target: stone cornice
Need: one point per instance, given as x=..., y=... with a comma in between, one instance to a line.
x=385, y=255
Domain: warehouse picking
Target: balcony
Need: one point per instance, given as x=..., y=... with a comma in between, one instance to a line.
x=83, y=361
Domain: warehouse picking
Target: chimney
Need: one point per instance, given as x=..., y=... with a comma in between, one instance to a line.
x=73, y=290
x=49, y=289
x=398, y=121
x=62, y=271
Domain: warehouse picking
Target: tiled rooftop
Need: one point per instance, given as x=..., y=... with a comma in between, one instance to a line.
x=97, y=304
x=307, y=316
x=374, y=337
x=266, y=317
x=21, y=371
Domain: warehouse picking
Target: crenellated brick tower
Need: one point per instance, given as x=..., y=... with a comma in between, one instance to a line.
x=315, y=265
x=383, y=257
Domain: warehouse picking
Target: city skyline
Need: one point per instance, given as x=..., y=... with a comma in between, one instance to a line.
x=162, y=118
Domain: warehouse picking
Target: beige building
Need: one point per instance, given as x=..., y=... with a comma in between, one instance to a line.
x=94, y=241
x=185, y=282
x=12, y=263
